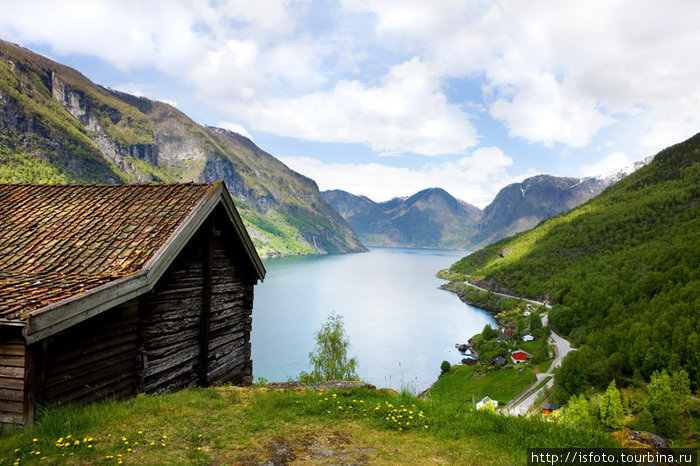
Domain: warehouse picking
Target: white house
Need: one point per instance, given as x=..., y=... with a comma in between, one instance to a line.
x=485, y=401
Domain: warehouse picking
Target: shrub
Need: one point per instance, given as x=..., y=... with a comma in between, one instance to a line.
x=445, y=366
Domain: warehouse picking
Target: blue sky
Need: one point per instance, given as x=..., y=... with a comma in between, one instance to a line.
x=384, y=97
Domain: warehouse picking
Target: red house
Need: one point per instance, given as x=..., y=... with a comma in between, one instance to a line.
x=519, y=356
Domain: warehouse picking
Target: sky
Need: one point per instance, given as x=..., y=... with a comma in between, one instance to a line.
x=387, y=97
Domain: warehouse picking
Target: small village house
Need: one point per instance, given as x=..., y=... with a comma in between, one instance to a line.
x=519, y=356
x=550, y=408
x=114, y=290
x=470, y=361
x=498, y=361
x=487, y=401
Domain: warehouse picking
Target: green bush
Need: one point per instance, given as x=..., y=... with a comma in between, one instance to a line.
x=445, y=366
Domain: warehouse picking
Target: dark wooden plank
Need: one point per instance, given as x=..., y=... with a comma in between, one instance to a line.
x=206, y=306
x=12, y=372
x=13, y=361
x=11, y=383
x=11, y=395
x=11, y=418
x=12, y=349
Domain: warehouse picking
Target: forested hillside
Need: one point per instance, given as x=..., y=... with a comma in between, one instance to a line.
x=622, y=272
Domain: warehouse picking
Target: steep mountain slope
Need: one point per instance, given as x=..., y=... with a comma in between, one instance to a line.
x=57, y=126
x=429, y=218
x=521, y=206
x=622, y=271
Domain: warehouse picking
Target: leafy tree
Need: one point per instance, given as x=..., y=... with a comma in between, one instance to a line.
x=445, y=366
x=329, y=358
x=535, y=322
x=668, y=401
x=579, y=412
x=488, y=333
x=611, y=412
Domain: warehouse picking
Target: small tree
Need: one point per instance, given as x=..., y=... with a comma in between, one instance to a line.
x=611, y=411
x=579, y=412
x=445, y=366
x=329, y=359
x=487, y=333
x=668, y=401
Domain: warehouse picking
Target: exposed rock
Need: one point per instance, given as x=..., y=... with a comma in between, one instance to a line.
x=293, y=386
x=345, y=385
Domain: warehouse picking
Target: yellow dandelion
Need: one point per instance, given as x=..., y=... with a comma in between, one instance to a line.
x=35, y=440
x=128, y=449
x=77, y=442
x=199, y=448
x=140, y=432
x=89, y=446
x=163, y=444
x=153, y=443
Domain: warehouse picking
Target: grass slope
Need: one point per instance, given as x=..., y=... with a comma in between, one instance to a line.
x=622, y=271
x=461, y=384
x=232, y=425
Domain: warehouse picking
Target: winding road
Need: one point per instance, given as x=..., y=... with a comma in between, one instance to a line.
x=524, y=402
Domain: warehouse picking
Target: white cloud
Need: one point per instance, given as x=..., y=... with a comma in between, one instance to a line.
x=235, y=127
x=552, y=72
x=611, y=163
x=406, y=112
x=475, y=179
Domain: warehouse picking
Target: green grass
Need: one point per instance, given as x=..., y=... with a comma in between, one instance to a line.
x=230, y=425
x=461, y=385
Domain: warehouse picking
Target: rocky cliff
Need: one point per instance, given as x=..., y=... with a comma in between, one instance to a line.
x=58, y=126
x=521, y=206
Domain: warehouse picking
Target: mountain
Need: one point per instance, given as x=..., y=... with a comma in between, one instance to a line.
x=56, y=126
x=521, y=206
x=621, y=271
x=429, y=218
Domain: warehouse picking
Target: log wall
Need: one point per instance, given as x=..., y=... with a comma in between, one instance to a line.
x=230, y=319
x=95, y=359
x=11, y=377
x=170, y=319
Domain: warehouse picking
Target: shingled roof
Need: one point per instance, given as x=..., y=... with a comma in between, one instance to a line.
x=60, y=242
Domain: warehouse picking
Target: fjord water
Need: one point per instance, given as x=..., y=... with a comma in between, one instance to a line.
x=400, y=325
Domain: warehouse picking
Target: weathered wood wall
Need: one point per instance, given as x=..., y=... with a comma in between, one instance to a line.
x=230, y=321
x=170, y=320
x=192, y=329
x=11, y=377
x=93, y=360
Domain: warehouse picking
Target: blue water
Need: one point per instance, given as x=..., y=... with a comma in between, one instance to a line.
x=400, y=325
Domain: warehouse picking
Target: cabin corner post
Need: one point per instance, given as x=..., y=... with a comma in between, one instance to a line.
x=34, y=377
x=207, y=262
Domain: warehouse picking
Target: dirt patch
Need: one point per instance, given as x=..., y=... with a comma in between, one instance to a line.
x=336, y=447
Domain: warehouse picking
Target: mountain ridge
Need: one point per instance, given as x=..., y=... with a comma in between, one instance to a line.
x=429, y=218
x=58, y=126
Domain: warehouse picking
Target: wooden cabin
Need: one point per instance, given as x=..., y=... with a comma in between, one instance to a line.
x=114, y=290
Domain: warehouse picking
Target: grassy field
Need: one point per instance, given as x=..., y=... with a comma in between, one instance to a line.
x=461, y=384
x=232, y=425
